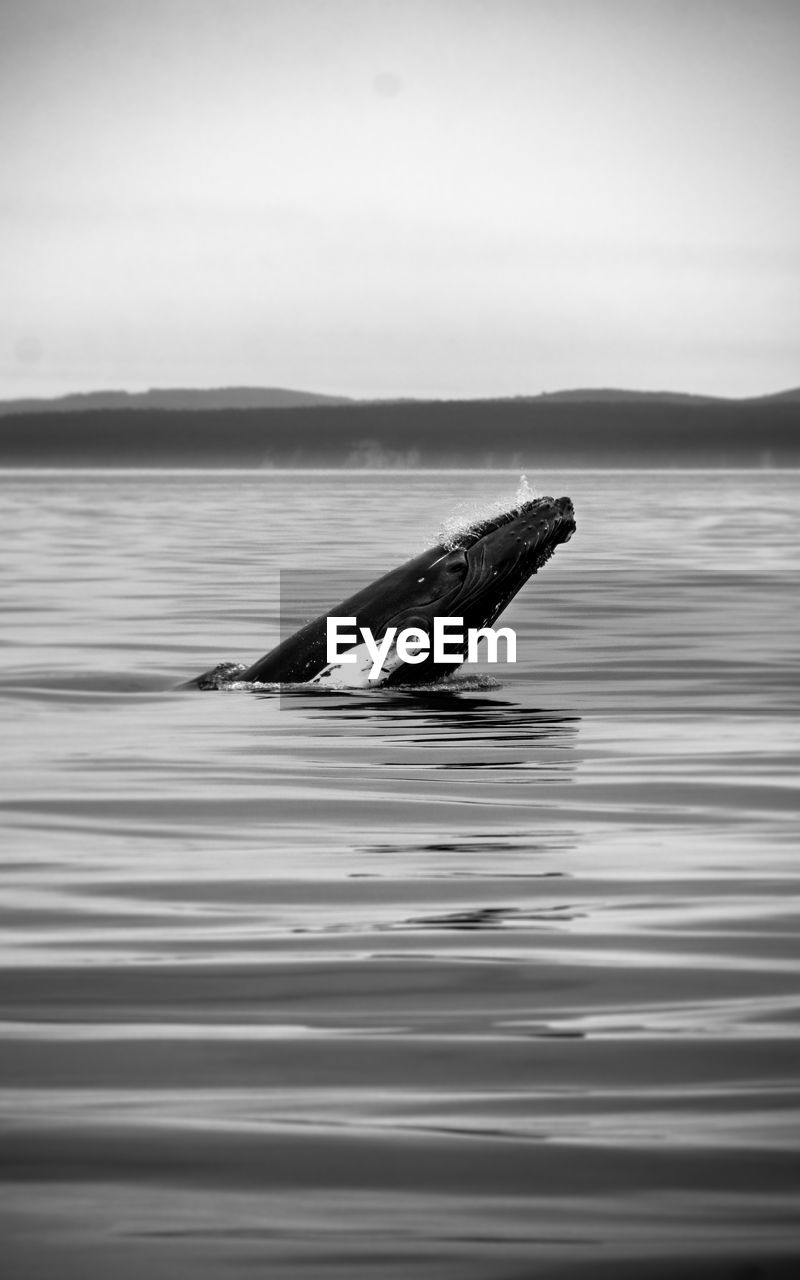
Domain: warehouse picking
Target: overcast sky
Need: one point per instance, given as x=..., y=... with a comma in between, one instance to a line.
x=413, y=197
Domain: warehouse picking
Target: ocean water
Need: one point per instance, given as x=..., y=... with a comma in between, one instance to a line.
x=484, y=983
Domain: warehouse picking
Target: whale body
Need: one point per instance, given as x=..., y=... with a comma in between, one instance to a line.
x=472, y=577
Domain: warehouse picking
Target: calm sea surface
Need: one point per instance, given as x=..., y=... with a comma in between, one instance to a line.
x=480, y=984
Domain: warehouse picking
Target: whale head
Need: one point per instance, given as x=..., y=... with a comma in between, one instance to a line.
x=495, y=557
x=480, y=572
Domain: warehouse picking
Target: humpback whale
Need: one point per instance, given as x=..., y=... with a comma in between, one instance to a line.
x=472, y=576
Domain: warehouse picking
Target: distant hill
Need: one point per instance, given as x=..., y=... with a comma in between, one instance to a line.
x=182, y=399
x=177, y=400
x=779, y=397
x=544, y=432
x=173, y=399
x=615, y=395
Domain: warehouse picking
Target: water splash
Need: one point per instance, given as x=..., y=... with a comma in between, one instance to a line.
x=477, y=683
x=464, y=518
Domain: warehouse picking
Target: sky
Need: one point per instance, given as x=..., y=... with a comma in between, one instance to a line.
x=400, y=197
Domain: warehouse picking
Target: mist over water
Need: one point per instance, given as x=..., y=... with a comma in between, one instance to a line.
x=491, y=982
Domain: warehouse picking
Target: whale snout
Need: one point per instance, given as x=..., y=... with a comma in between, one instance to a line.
x=550, y=518
x=566, y=511
x=558, y=507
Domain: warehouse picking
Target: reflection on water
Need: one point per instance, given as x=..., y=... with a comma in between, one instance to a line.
x=487, y=981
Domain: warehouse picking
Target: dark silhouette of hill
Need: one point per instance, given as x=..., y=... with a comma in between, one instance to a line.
x=174, y=398
x=779, y=397
x=202, y=399
x=484, y=433
x=615, y=395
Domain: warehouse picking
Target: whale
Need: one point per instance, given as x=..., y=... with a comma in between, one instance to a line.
x=471, y=575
